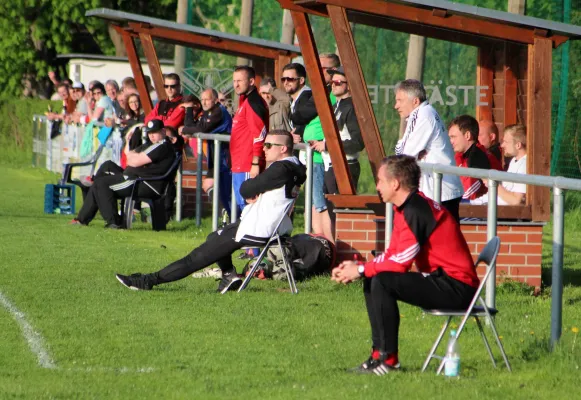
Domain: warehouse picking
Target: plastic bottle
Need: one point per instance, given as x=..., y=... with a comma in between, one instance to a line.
x=452, y=359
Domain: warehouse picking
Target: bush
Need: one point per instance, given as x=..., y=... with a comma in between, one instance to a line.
x=16, y=128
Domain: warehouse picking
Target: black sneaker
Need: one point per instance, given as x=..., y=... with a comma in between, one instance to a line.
x=230, y=281
x=375, y=366
x=135, y=281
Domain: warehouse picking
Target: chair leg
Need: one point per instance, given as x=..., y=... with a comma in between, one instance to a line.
x=436, y=344
x=254, y=267
x=500, y=346
x=287, y=267
x=485, y=341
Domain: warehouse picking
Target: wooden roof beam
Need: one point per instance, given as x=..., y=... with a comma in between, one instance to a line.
x=211, y=43
x=456, y=23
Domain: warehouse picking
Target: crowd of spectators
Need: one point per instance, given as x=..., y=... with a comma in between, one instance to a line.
x=264, y=107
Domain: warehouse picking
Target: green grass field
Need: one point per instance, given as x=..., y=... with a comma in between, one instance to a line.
x=182, y=340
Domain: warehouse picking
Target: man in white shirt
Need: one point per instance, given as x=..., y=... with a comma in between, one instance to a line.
x=514, y=144
x=427, y=140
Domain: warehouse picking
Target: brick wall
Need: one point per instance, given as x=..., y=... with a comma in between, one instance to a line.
x=189, y=190
x=519, y=257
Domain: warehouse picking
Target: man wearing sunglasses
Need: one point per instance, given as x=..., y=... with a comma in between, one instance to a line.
x=167, y=110
x=267, y=195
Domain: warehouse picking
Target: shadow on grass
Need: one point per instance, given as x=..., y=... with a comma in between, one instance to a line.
x=571, y=275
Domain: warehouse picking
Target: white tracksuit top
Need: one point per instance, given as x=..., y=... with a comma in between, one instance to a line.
x=425, y=131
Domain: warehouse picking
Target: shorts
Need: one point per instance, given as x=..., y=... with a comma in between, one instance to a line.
x=319, y=201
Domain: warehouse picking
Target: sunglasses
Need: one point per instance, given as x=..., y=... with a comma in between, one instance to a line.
x=269, y=145
x=170, y=86
x=338, y=83
x=288, y=79
x=99, y=92
x=265, y=93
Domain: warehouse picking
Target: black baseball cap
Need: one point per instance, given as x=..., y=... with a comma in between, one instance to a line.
x=338, y=70
x=155, y=125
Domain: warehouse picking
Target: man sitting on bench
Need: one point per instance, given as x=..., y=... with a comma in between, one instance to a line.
x=112, y=182
x=268, y=195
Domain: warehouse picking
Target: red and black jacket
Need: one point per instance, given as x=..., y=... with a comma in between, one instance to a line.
x=474, y=157
x=425, y=233
x=168, y=112
x=249, y=128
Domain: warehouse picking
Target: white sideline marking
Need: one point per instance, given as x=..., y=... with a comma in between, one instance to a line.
x=36, y=345
x=34, y=339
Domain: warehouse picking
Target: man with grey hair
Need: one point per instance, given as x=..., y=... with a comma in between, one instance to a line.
x=278, y=105
x=112, y=89
x=328, y=61
x=426, y=139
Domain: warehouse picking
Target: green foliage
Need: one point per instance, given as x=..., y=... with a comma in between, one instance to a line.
x=35, y=31
x=16, y=128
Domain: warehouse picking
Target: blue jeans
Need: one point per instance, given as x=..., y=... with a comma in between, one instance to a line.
x=237, y=179
x=318, y=182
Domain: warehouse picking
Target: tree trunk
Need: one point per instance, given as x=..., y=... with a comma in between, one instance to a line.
x=517, y=6
x=415, y=65
x=245, y=25
x=288, y=28
x=117, y=40
x=180, y=51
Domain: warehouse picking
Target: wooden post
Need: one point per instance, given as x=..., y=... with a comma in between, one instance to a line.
x=361, y=101
x=245, y=25
x=485, y=77
x=539, y=88
x=511, y=53
x=313, y=66
x=135, y=64
x=152, y=60
x=180, y=51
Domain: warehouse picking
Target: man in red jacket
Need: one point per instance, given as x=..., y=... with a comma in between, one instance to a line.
x=425, y=233
x=167, y=110
x=249, y=128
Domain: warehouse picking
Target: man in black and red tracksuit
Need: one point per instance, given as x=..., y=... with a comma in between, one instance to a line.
x=463, y=133
x=425, y=233
x=249, y=128
x=167, y=110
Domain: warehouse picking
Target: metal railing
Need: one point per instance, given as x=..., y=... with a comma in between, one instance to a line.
x=559, y=185
x=218, y=139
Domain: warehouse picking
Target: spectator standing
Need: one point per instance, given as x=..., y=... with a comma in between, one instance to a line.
x=425, y=138
x=248, y=131
x=167, y=110
x=69, y=104
x=213, y=118
x=424, y=235
x=151, y=90
x=328, y=61
x=82, y=108
x=112, y=89
x=103, y=105
x=128, y=86
x=302, y=107
x=278, y=105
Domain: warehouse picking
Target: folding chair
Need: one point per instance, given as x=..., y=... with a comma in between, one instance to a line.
x=487, y=256
x=158, y=214
x=274, y=238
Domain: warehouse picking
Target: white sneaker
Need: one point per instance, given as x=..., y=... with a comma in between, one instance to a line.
x=215, y=273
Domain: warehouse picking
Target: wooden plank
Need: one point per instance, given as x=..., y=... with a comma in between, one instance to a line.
x=485, y=77
x=210, y=43
x=466, y=211
x=539, y=124
x=421, y=30
x=313, y=66
x=135, y=64
x=457, y=23
x=152, y=60
x=511, y=53
x=354, y=74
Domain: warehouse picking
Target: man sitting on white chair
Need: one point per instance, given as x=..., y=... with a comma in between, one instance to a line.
x=268, y=195
x=424, y=232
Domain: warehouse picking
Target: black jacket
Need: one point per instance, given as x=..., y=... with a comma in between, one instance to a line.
x=348, y=126
x=303, y=111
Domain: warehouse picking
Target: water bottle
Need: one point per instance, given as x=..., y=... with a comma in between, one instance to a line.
x=452, y=359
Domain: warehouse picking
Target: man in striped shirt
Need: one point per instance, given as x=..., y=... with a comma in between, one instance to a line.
x=424, y=233
x=153, y=158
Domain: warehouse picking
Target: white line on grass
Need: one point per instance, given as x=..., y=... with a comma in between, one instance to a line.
x=36, y=344
x=34, y=339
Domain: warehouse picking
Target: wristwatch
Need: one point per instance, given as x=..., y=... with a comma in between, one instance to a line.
x=361, y=270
